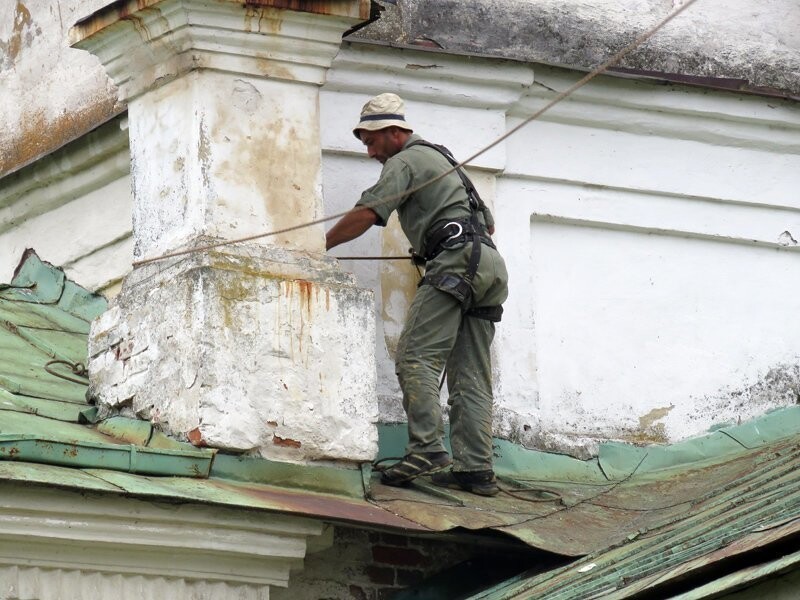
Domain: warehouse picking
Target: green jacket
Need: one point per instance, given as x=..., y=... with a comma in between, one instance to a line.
x=443, y=199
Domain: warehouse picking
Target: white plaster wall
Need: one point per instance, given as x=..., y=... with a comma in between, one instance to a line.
x=649, y=232
x=655, y=294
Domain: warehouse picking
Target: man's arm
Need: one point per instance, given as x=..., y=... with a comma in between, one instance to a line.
x=350, y=226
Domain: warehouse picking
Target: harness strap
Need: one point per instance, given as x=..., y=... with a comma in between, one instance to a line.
x=475, y=255
x=475, y=201
x=454, y=231
x=475, y=204
x=459, y=287
x=490, y=313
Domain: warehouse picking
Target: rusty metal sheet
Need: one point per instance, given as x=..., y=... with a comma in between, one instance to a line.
x=258, y=496
x=695, y=516
x=748, y=543
x=743, y=578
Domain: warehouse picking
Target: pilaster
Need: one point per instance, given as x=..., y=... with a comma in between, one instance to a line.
x=265, y=346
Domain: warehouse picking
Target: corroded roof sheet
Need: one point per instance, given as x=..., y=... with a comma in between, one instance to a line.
x=671, y=525
x=640, y=518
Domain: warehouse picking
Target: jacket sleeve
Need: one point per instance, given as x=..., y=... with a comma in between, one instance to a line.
x=387, y=194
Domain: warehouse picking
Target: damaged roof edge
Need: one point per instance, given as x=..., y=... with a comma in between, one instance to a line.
x=720, y=84
x=129, y=458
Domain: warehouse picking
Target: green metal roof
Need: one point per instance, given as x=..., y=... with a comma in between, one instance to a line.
x=640, y=518
x=675, y=523
x=44, y=324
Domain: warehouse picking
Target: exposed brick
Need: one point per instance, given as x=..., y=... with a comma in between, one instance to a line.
x=406, y=577
x=404, y=557
x=385, y=594
x=381, y=575
x=394, y=540
x=356, y=593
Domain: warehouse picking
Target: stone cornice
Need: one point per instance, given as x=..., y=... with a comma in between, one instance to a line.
x=145, y=48
x=438, y=77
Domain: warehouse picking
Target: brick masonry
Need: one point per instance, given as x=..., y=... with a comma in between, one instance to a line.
x=364, y=565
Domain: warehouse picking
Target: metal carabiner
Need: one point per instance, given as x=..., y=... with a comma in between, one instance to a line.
x=455, y=235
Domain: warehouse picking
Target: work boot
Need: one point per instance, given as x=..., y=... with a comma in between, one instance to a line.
x=483, y=483
x=413, y=465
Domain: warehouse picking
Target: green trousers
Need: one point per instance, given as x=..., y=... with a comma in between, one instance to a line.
x=437, y=333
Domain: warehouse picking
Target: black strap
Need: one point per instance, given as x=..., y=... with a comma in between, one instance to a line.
x=475, y=204
x=475, y=200
x=449, y=232
x=490, y=313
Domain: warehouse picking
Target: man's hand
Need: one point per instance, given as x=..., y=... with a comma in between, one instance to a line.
x=350, y=226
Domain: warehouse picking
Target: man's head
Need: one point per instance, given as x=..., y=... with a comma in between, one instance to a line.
x=384, y=143
x=382, y=126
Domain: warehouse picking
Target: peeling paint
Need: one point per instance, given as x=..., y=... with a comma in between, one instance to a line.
x=196, y=438
x=246, y=97
x=413, y=67
x=786, y=239
x=204, y=152
x=285, y=442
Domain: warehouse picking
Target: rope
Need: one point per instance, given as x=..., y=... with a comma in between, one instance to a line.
x=616, y=58
x=373, y=257
x=77, y=368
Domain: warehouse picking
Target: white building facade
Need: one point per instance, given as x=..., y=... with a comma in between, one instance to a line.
x=651, y=230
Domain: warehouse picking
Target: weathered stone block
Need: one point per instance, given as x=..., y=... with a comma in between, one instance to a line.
x=245, y=354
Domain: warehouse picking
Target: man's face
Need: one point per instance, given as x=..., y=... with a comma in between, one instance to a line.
x=382, y=144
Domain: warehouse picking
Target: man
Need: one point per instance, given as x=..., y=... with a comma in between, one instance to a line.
x=451, y=320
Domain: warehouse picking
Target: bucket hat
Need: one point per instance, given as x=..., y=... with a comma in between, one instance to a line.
x=384, y=110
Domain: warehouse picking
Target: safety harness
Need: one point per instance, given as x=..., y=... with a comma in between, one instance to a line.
x=451, y=232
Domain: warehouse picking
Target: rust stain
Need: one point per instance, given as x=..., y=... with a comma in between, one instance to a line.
x=285, y=442
x=305, y=295
x=266, y=20
x=649, y=431
x=654, y=415
x=359, y=10
x=28, y=143
x=139, y=26
x=254, y=11
x=270, y=68
x=11, y=327
x=121, y=10
x=71, y=452
x=21, y=34
x=305, y=502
